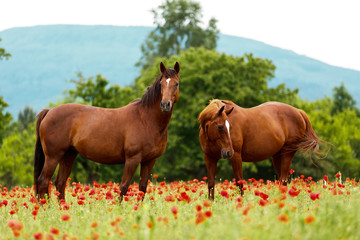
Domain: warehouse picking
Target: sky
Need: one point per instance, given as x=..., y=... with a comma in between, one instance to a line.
x=327, y=30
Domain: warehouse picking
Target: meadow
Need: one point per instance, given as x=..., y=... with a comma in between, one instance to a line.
x=305, y=209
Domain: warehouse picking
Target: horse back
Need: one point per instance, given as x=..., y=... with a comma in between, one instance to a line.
x=262, y=131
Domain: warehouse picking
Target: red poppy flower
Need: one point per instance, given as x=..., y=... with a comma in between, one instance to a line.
x=155, y=176
x=198, y=207
x=309, y=219
x=65, y=217
x=224, y=193
x=174, y=210
x=207, y=203
x=291, y=171
x=314, y=196
x=208, y=213
x=293, y=193
x=338, y=175
x=283, y=218
x=38, y=235
x=326, y=178
x=55, y=231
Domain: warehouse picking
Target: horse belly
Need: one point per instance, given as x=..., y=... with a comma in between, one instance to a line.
x=101, y=151
x=261, y=149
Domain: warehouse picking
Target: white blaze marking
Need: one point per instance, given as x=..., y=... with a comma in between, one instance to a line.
x=227, y=124
x=168, y=80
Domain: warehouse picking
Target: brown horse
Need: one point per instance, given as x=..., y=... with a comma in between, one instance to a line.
x=134, y=134
x=272, y=129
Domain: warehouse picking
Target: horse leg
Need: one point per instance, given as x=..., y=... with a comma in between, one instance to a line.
x=131, y=164
x=236, y=162
x=145, y=171
x=286, y=158
x=211, y=166
x=276, y=160
x=45, y=176
x=64, y=172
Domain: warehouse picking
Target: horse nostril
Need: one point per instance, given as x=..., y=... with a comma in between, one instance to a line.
x=168, y=105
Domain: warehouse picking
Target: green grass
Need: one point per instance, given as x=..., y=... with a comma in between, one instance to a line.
x=232, y=217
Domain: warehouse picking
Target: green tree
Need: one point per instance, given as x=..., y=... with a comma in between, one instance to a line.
x=207, y=74
x=3, y=53
x=5, y=119
x=16, y=157
x=178, y=27
x=26, y=117
x=342, y=99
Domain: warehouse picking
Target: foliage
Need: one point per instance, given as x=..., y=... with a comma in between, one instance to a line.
x=204, y=75
x=16, y=157
x=5, y=119
x=4, y=54
x=180, y=210
x=342, y=100
x=26, y=117
x=178, y=27
x=340, y=133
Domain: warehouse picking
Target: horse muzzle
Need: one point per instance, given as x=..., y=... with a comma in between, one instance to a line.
x=166, y=106
x=226, y=154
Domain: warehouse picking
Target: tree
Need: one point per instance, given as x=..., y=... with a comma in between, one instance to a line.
x=178, y=27
x=16, y=158
x=207, y=75
x=342, y=99
x=26, y=117
x=3, y=53
x=5, y=119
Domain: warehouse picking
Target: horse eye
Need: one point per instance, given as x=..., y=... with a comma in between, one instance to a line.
x=220, y=127
x=176, y=84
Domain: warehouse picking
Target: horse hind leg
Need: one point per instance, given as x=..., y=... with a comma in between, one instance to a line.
x=45, y=176
x=64, y=172
x=285, y=164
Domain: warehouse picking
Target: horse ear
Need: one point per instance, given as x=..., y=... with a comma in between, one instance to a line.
x=162, y=68
x=221, y=109
x=177, y=67
x=229, y=111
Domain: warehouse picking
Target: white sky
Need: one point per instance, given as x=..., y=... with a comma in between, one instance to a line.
x=327, y=30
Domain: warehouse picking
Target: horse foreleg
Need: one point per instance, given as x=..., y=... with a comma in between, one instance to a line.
x=64, y=172
x=145, y=171
x=131, y=163
x=286, y=158
x=236, y=163
x=211, y=166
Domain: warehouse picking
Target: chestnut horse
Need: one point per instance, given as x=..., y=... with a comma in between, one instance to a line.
x=134, y=134
x=272, y=129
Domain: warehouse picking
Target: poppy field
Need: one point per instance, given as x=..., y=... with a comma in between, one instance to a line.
x=305, y=209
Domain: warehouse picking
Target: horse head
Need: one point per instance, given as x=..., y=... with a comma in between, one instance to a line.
x=169, y=86
x=218, y=133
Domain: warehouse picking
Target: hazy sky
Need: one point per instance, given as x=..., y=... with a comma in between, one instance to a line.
x=326, y=30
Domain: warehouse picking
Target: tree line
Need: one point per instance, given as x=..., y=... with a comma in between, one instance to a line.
x=205, y=74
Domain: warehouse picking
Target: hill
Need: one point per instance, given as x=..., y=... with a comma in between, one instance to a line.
x=43, y=57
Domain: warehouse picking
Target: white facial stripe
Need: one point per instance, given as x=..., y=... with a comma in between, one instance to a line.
x=168, y=80
x=227, y=124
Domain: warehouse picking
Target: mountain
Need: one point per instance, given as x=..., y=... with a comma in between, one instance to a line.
x=44, y=57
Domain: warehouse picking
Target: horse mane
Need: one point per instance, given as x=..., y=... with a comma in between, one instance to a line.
x=211, y=110
x=153, y=92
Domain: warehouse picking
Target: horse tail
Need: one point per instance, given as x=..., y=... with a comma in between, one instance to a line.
x=39, y=156
x=310, y=143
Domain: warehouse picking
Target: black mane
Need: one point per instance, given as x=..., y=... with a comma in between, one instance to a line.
x=153, y=92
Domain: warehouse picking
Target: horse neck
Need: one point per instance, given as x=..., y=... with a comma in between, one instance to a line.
x=159, y=119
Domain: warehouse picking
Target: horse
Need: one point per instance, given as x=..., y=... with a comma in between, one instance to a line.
x=131, y=135
x=272, y=129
